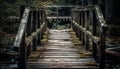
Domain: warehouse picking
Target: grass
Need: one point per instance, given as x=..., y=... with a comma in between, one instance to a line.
x=44, y=40
x=84, y=54
x=34, y=56
x=72, y=33
x=91, y=63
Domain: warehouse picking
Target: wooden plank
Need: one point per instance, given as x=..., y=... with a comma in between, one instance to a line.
x=60, y=17
x=54, y=6
x=22, y=27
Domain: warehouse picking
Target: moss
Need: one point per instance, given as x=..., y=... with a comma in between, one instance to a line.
x=32, y=59
x=76, y=41
x=46, y=32
x=73, y=36
x=45, y=37
x=84, y=54
x=34, y=56
x=44, y=40
x=74, y=46
x=72, y=33
x=91, y=63
x=77, y=44
x=40, y=49
x=71, y=30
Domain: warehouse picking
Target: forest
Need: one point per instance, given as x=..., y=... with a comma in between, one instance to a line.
x=10, y=18
x=9, y=11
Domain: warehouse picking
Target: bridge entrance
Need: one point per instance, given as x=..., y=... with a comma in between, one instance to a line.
x=59, y=16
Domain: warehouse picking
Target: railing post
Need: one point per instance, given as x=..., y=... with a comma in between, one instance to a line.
x=34, y=45
x=75, y=20
x=102, y=49
x=86, y=26
x=94, y=32
x=42, y=23
x=38, y=26
x=79, y=33
x=78, y=21
x=29, y=31
x=83, y=25
x=29, y=25
x=22, y=48
x=22, y=55
x=80, y=36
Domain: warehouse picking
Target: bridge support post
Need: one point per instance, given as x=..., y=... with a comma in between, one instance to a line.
x=83, y=25
x=42, y=20
x=102, y=49
x=80, y=36
x=38, y=26
x=29, y=31
x=34, y=45
x=22, y=55
x=94, y=32
x=22, y=48
x=87, y=28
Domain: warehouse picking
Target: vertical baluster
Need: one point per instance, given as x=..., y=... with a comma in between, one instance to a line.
x=22, y=56
x=45, y=19
x=42, y=23
x=79, y=24
x=29, y=31
x=22, y=51
x=93, y=21
x=38, y=26
x=73, y=18
x=102, y=49
x=80, y=37
x=76, y=21
x=34, y=45
x=83, y=25
x=86, y=26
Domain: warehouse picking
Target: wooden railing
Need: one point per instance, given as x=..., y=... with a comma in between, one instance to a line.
x=89, y=25
x=32, y=25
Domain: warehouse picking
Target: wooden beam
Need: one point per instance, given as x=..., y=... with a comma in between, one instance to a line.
x=33, y=35
x=94, y=38
x=21, y=30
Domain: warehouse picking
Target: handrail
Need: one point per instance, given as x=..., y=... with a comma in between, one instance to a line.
x=94, y=38
x=90, y=23
x=97, y=10
x=31, y=29
x=100, y=16
x=33, y=35
x=22, y=28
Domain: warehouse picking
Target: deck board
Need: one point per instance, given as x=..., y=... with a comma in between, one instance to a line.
x=59, y=53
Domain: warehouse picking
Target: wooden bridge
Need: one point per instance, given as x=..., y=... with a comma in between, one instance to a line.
x=82, y=46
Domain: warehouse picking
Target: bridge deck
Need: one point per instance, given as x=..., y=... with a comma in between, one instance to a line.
x=60, y=52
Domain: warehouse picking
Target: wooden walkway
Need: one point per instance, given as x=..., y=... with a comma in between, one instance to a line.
x=62, y=50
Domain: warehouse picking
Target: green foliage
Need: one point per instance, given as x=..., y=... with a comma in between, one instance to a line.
x=11, y=8
x=7, y=8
